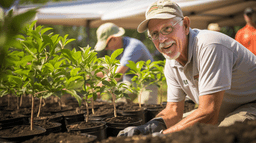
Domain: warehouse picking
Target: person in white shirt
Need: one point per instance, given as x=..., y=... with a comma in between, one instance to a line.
x=213, y=69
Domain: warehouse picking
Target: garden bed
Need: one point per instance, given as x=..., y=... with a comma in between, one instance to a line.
x=199, y=133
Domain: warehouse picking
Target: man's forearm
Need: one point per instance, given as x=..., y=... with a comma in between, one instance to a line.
x=170, y=117
x=195, y=117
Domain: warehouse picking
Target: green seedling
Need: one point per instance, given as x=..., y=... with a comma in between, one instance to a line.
x=160, y=77
x=144, y=76
x=85, y=65
x=112, y=87
x=41, y=61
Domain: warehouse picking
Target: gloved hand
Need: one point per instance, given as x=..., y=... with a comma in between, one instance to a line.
x=154, y=125
x=158, y=134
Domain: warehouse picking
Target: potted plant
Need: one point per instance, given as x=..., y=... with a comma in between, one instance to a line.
x=14, y=24
x=84, y=64
x=116, y=90
x=145, y=75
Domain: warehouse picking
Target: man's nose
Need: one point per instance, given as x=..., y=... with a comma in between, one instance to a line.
x=162, y=38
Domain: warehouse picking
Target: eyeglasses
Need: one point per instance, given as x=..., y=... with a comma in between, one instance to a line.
x=164, y=31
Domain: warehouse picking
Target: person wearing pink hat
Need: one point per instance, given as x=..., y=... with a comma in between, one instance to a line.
x=211, y=68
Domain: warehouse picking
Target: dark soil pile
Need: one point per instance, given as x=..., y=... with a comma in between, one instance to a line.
x=18, y=130
x=62, y=138
x=199, y=133
x=121, y=119
x=83, y=125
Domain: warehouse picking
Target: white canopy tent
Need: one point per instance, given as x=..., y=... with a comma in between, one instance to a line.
x=201, y=12
x=129, y=13
x=75, y=13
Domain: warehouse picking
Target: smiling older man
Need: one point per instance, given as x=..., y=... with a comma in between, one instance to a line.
x=214, y=70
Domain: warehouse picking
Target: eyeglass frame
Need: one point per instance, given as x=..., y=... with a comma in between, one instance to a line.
x=172, y=26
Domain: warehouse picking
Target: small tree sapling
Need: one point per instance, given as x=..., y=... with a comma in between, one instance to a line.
x=114, y=88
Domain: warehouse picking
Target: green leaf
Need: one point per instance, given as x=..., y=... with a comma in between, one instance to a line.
x=70, y=40
x=20, y=20
x=74, y=94
x=15, y=80
x=132, y=65
x=116, y=53
x=48, y=67
x=106, y=83
x=6, y=3
x=74, y=71
x=68, y=54
x=75, y=82
x=45, y=30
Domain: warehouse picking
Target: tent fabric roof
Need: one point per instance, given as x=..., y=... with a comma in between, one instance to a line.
x=129, y=13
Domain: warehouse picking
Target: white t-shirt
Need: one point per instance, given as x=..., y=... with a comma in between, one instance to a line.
x=216, y=62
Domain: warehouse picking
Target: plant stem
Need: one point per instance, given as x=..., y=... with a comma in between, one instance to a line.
x=114, y=103
x=32, y=114
x=140, y=98
x=87, y=110
x=93, y=102
x=40, y=105
x=8, y=100
x=17, y=103
x=161, y=93
x=21, y=97
x=92, y=106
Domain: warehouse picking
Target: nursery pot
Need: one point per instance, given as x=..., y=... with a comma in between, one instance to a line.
x=54, y=127
x=98, y=128
x=20, y=138
x=56, y=118
x=6, y=123
x=152, y=111
x=136, y=114
x=114, y=128
x=72, y=117
x=100, y=117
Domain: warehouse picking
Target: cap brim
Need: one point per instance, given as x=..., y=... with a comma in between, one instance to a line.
x=101, y=45
x=144, y=24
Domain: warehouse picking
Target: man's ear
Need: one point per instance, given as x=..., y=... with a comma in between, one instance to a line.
x=186, y=23
x=110, y=37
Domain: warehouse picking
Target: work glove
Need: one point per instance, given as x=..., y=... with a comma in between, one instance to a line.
x=152, y=126
x=158, y=134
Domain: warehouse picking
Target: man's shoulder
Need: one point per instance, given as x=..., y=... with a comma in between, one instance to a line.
x=203, y=38
x=134, y=43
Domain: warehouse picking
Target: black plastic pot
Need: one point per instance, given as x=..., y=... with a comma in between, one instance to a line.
x=69, y=119
x=151, y=112
x=136, y=114
x=19, y=138
x=100, y=117
x=57, y=128
x=114, y=128
x=99, y=131
x=13, y=122
x=56, y=118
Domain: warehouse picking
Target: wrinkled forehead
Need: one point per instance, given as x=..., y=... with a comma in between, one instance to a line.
x=158, y=23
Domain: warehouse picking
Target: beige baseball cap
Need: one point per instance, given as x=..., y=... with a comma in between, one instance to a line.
x=161, y=9
x=104, y=31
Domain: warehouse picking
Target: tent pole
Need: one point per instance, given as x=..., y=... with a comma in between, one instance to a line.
x=88, y=31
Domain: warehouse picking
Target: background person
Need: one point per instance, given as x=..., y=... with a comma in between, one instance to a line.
x=110, y=37
x=213, y=69
x=247, y=35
